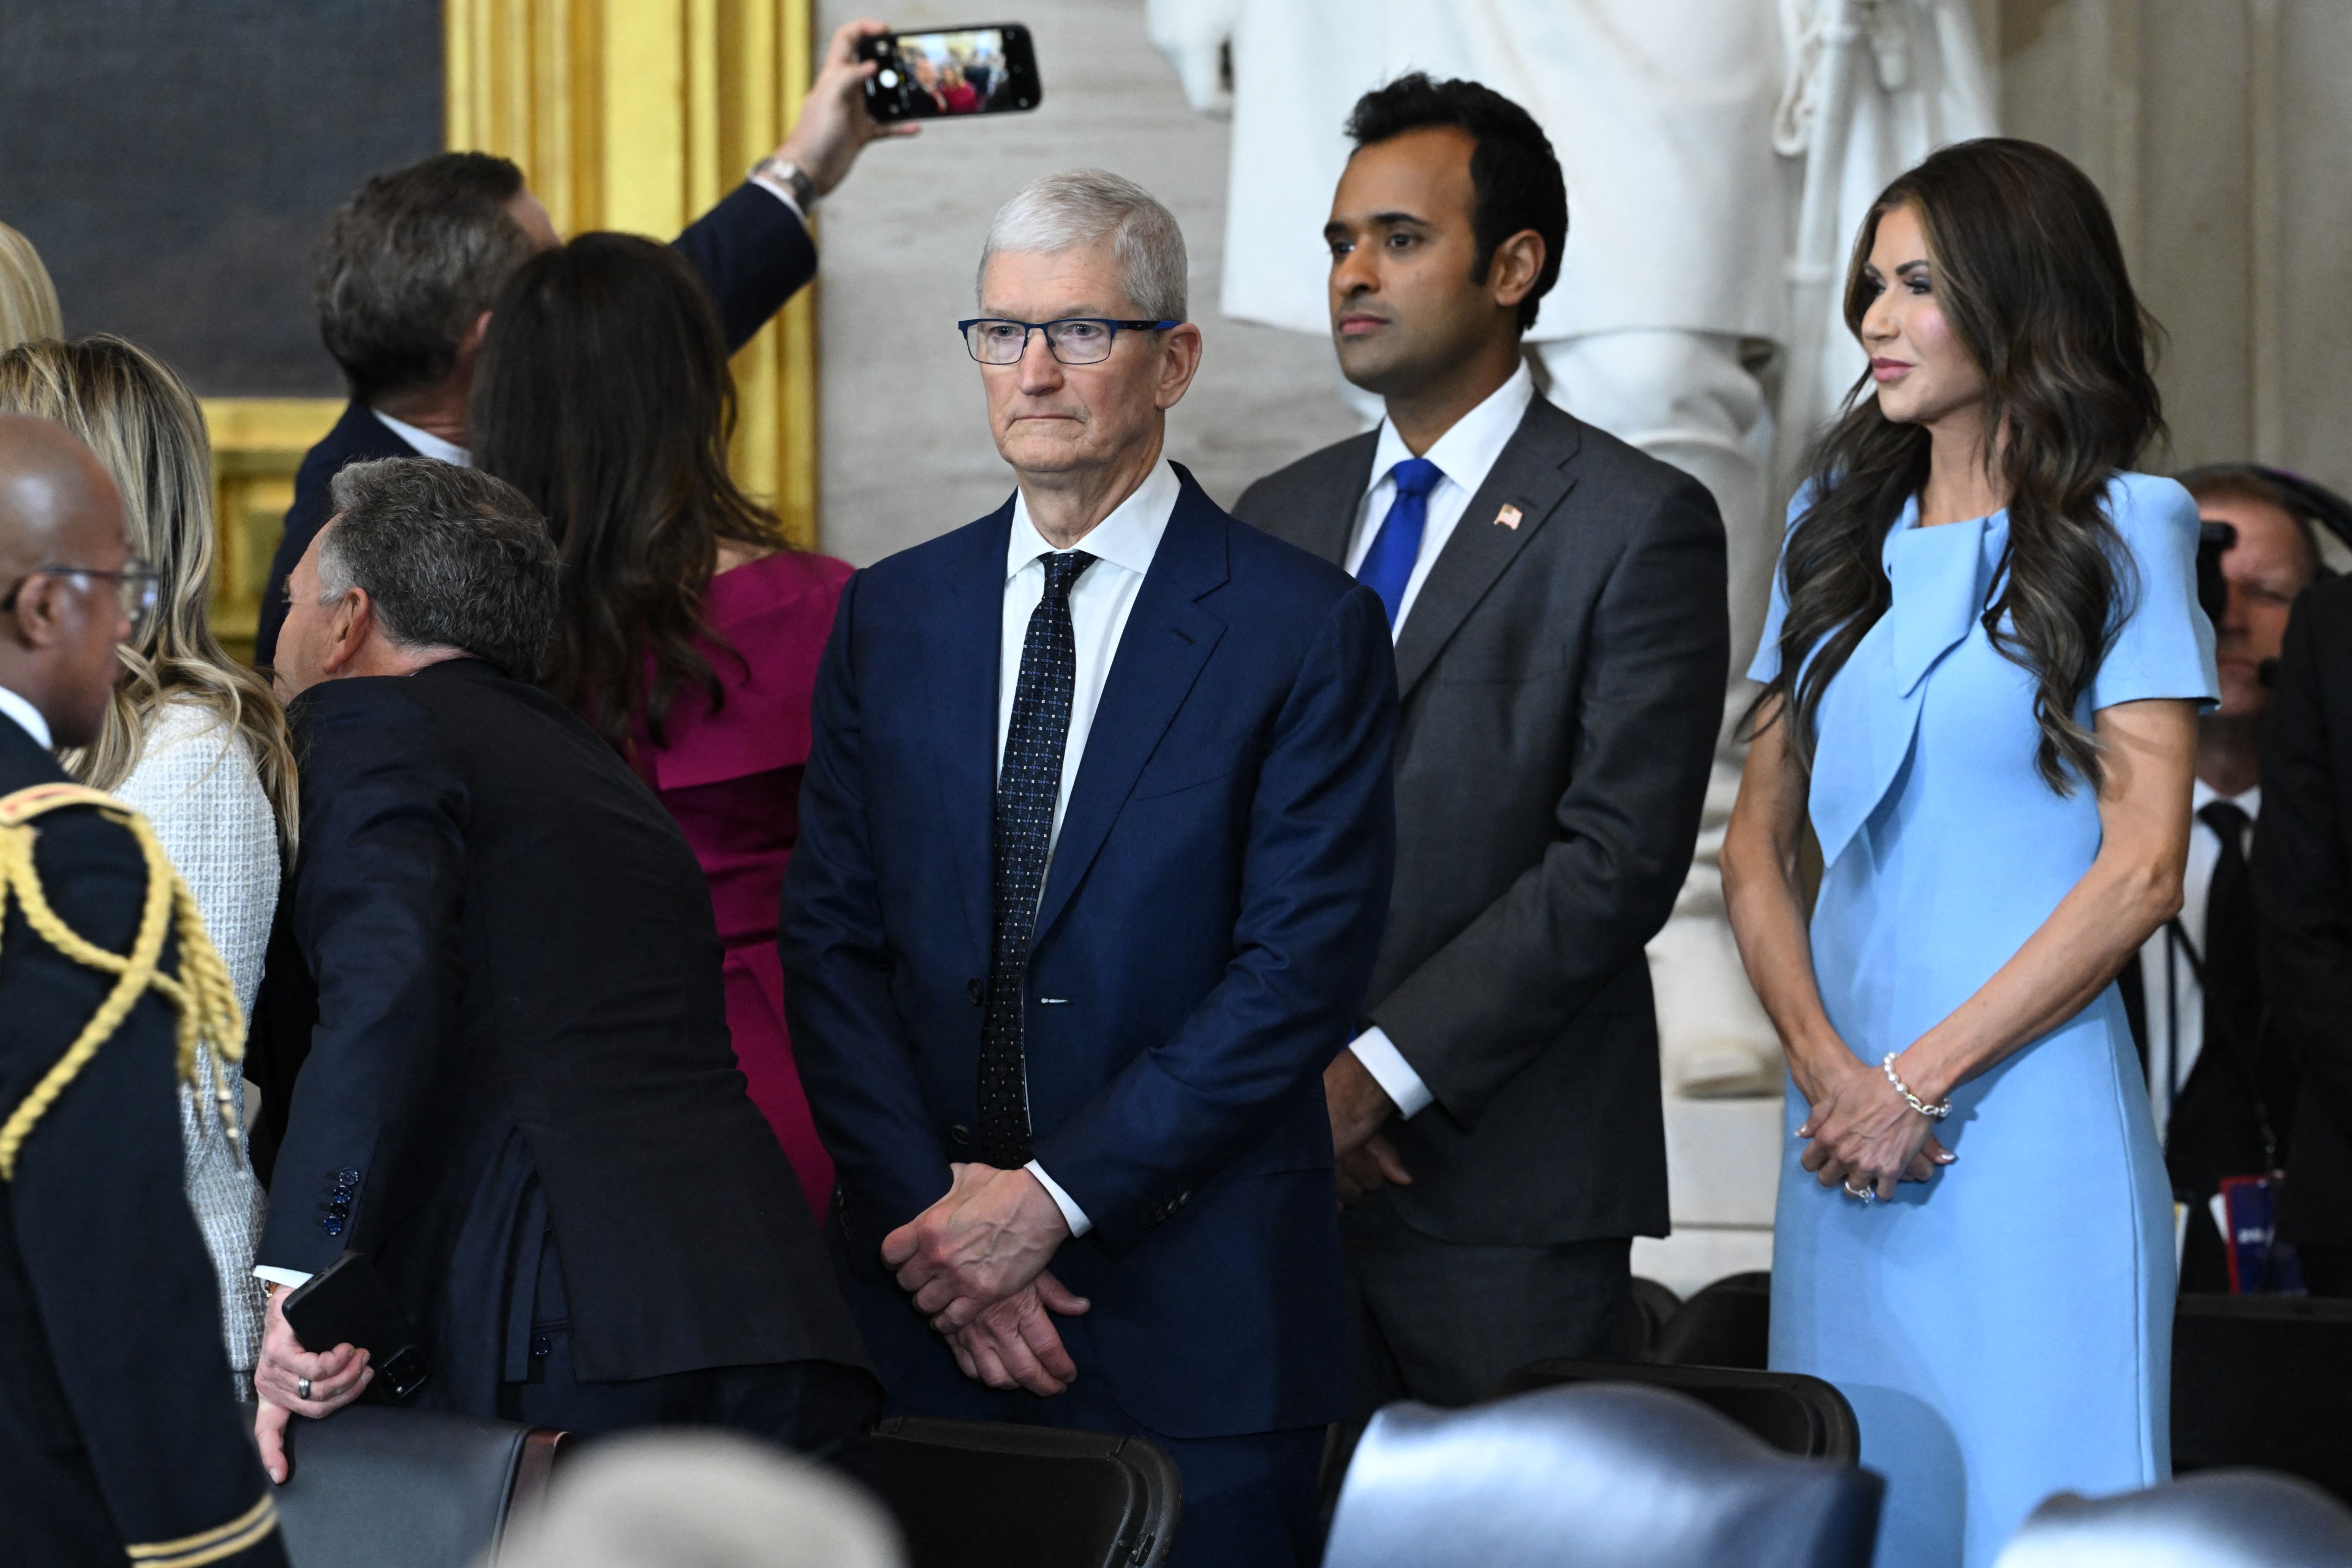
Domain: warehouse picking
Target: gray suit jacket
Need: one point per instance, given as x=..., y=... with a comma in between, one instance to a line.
x=1562, y=683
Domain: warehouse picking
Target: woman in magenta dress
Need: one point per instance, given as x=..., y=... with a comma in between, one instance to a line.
x=691, y=629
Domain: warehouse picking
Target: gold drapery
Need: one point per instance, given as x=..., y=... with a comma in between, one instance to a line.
x=625, y=114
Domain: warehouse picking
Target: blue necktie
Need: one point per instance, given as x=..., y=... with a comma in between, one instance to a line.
x=1388, y=565
x=1025, y=793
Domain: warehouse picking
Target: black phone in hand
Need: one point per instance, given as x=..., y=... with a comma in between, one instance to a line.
x=950, y=73
x=346, y=1303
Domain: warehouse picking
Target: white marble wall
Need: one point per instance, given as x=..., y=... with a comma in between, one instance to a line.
x=906, y=451
x=2217, y=129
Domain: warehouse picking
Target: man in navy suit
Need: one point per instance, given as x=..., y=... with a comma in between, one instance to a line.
x=1096, y=840
x=408, y=268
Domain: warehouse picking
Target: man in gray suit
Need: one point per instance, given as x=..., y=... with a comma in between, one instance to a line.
x=1556, y=599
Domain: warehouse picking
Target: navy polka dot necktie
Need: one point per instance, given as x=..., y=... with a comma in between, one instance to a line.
x=1026, y=791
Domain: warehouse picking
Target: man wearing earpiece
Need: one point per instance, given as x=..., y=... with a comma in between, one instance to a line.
x=2222, y=1087
x=2303, y=890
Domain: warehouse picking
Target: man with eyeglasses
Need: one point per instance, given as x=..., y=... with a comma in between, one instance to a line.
x=1094, y=848
x=121, y=1435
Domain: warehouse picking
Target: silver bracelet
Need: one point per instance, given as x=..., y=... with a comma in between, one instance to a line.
x=1938, y=1112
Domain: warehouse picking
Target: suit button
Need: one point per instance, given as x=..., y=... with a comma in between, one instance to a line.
x=960, y=1135
x=977, y=990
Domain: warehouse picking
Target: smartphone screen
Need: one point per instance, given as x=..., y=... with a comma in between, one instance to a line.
x=952, y=72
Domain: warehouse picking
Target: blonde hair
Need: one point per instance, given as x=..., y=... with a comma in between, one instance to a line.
x=29, y=301
x=143, y=423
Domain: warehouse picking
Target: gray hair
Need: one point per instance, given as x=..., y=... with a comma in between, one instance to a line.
x=1084, y=206
x=450, y=557
x=408, y=265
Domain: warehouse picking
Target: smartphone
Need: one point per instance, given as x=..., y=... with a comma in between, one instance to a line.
x=346, y=1303
x=951, y=72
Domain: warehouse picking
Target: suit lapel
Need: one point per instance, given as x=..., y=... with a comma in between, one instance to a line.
x=1326, y=523
x=1168, y=639
x=962, y=645
x=1530, y=475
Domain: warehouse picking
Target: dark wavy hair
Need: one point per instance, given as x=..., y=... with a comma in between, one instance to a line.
x=2031, y=277
x=603, y=394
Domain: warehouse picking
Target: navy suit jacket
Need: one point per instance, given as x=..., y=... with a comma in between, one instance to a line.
x=1209, y=924
x=752, y=253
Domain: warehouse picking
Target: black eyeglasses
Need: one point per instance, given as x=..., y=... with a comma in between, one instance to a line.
x=1073, y=340
x=137, y=588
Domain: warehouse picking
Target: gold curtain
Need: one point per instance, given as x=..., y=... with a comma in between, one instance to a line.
x=638, y=115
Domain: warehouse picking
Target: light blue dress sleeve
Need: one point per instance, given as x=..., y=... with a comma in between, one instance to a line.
x=1767, y=663
x=2164, y=646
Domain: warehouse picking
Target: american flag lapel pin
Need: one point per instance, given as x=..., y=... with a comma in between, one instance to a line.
x=1508, y=517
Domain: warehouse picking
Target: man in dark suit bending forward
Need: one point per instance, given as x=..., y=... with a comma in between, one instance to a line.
x=1557, y=600
x=1094, y=847
x=519, y=1097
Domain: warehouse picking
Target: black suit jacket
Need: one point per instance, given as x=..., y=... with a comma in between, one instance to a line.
x=2303, y=887
x=117, y=1428
x=508, y=940
x=1562, y=684
x=752, y=253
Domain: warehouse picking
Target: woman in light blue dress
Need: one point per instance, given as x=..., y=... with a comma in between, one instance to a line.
x=1982, y=667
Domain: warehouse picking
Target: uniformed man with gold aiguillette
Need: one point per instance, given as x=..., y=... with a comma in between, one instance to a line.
x=119, y=1439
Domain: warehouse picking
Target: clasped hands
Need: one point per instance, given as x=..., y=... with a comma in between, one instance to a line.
x=1865, y=1136
x=975, y=1263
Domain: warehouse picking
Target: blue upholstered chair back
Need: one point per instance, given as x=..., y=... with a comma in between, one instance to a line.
x=1597, y=1475
x=2219, y=1519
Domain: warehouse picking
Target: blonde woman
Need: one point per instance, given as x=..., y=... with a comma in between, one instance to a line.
x=193, y=740
x=29, y=301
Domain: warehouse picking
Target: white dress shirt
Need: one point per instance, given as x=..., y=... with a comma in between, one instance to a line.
x=2176, y=1002
x=1100, y=601
x=28, y=718
x=428, y=444
x=1465, y=454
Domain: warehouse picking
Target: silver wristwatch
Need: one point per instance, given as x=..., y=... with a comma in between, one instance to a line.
x=792, y=176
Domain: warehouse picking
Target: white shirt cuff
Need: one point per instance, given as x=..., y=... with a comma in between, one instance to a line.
x=1071, y=1213
x=290, y=1278
x=1391, y=1071
x=782, y=192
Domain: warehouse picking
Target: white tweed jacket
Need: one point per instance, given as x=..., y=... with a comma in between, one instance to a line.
x=197, y=782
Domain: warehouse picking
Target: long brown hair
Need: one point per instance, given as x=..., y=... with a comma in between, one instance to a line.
x=135, y=413
x=2031, y=277
x=603, y=394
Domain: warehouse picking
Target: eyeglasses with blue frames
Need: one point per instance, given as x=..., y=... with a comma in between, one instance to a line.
x=1073, y=340
x=138, y=587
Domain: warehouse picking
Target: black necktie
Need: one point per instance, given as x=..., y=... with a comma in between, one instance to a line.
x=1026, y=791
x=2233, y=997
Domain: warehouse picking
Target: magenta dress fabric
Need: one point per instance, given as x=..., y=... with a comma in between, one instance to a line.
x=733, y=779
